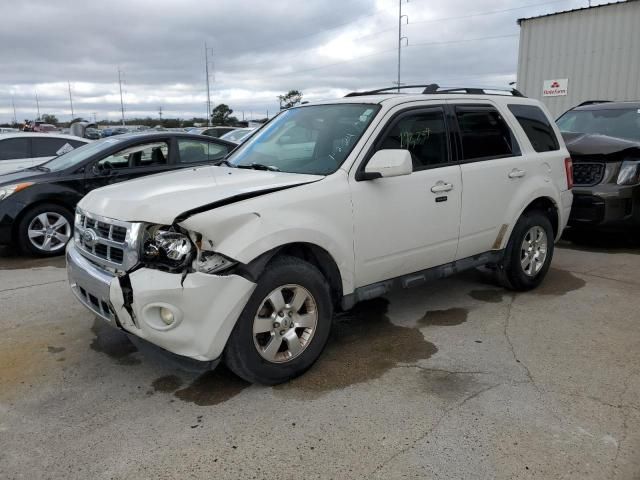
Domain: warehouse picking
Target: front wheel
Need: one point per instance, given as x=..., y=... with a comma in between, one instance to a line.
x=529, y=252
x=285, y=325
x=45, y=230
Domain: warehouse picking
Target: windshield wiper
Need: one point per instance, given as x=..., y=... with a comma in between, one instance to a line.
x=260, y=166
x=39, y=167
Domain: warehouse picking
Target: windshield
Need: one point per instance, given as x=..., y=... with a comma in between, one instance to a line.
x=77, y=156
x=618, y=122
x=313, y=140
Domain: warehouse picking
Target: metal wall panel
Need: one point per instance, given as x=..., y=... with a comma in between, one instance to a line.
x=597, y=49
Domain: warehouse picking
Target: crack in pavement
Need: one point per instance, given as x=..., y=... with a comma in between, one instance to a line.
x=625, y=426
x=435, y=425
x=29, y=286
x=521, y=363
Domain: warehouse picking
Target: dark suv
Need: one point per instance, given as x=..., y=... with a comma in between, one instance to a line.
x=604, y=141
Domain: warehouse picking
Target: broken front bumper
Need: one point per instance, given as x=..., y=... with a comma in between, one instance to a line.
x=205, y=307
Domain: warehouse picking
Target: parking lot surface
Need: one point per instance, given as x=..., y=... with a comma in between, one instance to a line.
x=458, y=379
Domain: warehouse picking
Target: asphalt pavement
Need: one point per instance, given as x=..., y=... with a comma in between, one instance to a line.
x=455, y=380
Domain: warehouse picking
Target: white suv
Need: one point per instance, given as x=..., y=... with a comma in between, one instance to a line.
x=326, y=205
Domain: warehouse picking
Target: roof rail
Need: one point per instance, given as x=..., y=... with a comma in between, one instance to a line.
x=434, y=88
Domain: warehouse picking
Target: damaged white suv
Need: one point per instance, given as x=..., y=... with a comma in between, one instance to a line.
x=326, y=205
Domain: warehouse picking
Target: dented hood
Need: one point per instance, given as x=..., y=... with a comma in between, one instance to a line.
x=164, y=197
x=594, y=144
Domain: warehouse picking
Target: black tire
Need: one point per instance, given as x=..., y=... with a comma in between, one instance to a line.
x=511, y=272
x=241, y=353
x=25, y=244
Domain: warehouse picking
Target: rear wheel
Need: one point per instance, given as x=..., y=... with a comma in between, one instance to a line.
x=45, y=230
x=529, y=252
x=285, y=325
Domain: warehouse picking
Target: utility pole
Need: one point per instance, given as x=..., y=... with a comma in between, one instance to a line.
x=15, y=117
x=208, y=51
x=160, y=113
x=70, y=100
x=37, y=106
x=121, y=101
x=400, y=37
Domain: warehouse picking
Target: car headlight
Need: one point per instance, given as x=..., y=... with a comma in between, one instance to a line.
x=11, y=189
x=629, y=173
x=166, y=248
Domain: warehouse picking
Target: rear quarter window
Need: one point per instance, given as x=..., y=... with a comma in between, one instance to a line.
x=537, y=127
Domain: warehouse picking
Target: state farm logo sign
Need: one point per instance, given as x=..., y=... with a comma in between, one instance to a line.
x=555, y=88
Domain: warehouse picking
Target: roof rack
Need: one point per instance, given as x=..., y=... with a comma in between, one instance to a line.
x=434, y=88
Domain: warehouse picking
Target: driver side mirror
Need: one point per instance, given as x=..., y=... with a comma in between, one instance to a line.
x=387, y=163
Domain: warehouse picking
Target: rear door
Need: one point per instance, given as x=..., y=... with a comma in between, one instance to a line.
x=493, y=169
x=15, y=154
x=408, y=223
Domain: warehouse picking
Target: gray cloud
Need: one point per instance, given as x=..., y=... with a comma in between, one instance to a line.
x=262, y=48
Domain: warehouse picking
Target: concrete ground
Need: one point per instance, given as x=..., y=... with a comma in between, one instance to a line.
x=459, y=379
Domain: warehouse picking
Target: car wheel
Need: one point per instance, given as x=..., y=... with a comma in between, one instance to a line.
x=285, y=325
x=529, y=252
x=45, y=230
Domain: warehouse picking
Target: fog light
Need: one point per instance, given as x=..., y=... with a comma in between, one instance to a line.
x=166, y=316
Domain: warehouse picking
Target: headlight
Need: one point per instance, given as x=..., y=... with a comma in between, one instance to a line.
x=629, y=173
x=10, y=189
x=167, y=248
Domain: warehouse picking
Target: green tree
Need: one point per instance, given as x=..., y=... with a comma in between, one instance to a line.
x=221, y=115
x=290, y=99
x=48, y=118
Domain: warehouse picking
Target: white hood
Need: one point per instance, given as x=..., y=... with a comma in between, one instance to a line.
x=161, y=198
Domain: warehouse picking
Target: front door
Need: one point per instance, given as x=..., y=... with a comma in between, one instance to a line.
x=408, y=223
x=129, y=163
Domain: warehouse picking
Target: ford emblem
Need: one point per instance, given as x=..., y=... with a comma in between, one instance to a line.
x=89, y=238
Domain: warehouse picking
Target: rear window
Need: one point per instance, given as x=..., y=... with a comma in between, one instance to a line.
x=537, y=127
x=52, y=147
x=485, y=134
x=14, y=148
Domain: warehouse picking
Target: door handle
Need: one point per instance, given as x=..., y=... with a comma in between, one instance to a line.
x=517, y=173
x=441, y=187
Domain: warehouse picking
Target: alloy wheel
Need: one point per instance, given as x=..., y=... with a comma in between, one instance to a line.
x=49, y=231
x=533, y=251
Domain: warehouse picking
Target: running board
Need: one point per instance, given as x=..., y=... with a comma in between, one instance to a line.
x=418, y=278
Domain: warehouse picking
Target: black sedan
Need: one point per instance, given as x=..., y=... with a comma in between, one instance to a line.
x=37, y=204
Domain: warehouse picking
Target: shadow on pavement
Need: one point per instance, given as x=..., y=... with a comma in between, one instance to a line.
x=601, y=242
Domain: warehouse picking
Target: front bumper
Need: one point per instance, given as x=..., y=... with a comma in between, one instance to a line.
x=606, y=206
x=206, y=307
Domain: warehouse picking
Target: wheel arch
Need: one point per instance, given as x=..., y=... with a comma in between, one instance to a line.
x=309, y=252
x=53, y=201
x=549, y=207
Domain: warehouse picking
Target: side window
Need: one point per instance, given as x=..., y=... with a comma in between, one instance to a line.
x=195, y=151
x=537, y=127
x=14, y=148
x=145, y=155
x=485, y=134
x=50, y=147
x=424, y=134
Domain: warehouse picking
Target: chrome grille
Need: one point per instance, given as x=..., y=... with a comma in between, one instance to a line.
x=106, y=241
x=587, y=173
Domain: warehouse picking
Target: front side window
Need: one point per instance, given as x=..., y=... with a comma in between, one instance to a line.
x=313, y=139
x=423, y=134
x=614, y=122
x=195, y=151
x=537, y=127
x=145, y=155
x=485, y=134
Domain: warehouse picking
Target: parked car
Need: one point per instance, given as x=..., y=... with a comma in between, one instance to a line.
x=238, y=136
x=92, y=134
x=212, y=131
x=328, y=205
x=37, y=204
x=22, y=150
x=603, y=139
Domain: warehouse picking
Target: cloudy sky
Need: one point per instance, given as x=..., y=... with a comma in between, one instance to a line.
x=261, y=48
